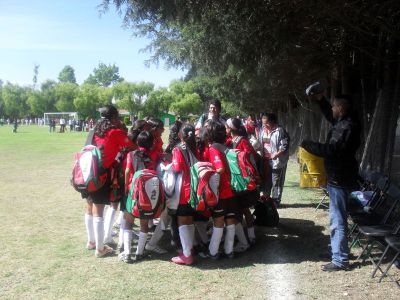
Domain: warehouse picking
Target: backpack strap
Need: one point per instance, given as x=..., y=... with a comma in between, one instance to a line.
x=138, y=160
x=220, y=147
x=237, y=141
x=204, y=118
x=89, y=138
x=188, y=155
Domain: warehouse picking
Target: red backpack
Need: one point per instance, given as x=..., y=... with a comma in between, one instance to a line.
x=244, y=174
x=204, y=186
x=146, y=197
x=88, y=172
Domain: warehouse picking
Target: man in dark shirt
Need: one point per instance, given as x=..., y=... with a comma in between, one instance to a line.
x=341, y=168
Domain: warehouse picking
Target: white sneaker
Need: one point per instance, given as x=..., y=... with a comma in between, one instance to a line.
x=155, y=249
x=239, y=248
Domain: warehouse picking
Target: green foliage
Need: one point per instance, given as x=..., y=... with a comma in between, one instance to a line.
x=1, y=100
x=259, y=52
x=88, y=100
x=127, y=121
x=67, y=74
x=15, y=100
x=104, y=75
x=130, y=95
x=188, y=104
x=232, y=109
x=157, y=102
x=65, y=94
x=36, y=103
x=48, y=95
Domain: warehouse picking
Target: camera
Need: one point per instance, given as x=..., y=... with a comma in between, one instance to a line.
x=314, y=88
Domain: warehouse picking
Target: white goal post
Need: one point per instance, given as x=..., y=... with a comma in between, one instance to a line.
x=47, y=116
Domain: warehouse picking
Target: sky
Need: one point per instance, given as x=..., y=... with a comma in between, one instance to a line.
x=53, y=34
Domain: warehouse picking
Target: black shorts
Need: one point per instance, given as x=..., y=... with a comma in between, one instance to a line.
x=185, y=210
x=122, y=206
x=229, y=208
x=199, y=217
x=248, y=199
x=103, y=195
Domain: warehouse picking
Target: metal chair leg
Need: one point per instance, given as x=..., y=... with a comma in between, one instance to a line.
x=387, y=269
x=380, y=262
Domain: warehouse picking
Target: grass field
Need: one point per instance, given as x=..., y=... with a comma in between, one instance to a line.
x=42, y=237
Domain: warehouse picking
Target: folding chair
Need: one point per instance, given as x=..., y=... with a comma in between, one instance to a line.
x=369, y=180
x=322, y=201
x=376, y=235
x=389, y=225
x=369, y=215
x=392, y=241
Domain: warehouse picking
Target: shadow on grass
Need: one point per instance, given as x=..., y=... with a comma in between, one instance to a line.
x=297, y=205
x=293, y=241
x=289, y=184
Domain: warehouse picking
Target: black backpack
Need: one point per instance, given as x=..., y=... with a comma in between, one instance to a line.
x=266, y=214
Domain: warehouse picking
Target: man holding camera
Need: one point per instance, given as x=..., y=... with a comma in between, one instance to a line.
x=341, y=168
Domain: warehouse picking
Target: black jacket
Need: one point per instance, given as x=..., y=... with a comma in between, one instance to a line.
x=339, y=149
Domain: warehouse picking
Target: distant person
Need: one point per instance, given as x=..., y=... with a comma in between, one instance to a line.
x=62, y=125
x=214, y=114
x=341, y=167
x=275, y=149
x=71, y=125
x=15, y=127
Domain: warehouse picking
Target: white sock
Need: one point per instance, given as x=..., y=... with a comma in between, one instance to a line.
x=121, y=232
x=190, y=237
x=141, y=242
x=202, y=231
x=186, y=233
x=240, y=234
x=250, y=232
x=157, y=235
x=229, y=238
x=108, y=221
x=151, y=223
x=89, y=227
x=127, y=241
x=215, y=240
x=165, y=219
x=118, y=221
x=98, y=223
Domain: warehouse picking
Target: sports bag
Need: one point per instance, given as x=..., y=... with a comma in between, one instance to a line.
x=88, y=172
x=244, y=175
x=266, y=214
x=146, y=196
x=204, y=186
x=172, y=186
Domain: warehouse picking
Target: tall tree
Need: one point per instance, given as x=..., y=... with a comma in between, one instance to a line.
x=35, y=75
x=88, y=101
x=48, y=95
x=65, y=94
x=157, y=102
x=15, y=97
x=1, y=100
x=36, y=103
x=261, y=54
x=104, y=75
x=130, y=95
x=67, y=74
